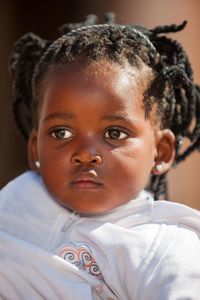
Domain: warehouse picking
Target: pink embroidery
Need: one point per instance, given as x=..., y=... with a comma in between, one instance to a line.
x=99, y=288
x=81, y=256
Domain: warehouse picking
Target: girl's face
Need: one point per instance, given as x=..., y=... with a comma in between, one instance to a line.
x=95, y=148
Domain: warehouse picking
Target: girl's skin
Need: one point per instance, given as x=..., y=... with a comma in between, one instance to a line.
x=95, y=147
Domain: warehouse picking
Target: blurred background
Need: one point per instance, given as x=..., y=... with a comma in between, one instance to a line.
x=44, y=17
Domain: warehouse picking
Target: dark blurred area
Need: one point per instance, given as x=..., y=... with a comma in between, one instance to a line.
x=44, y=18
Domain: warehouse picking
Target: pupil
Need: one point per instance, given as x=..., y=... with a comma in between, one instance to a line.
x=60, y=133
x=114, y=133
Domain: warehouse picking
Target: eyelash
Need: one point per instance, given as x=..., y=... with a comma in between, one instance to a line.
x=54, y=133
x=118, y=131
x=107, y=134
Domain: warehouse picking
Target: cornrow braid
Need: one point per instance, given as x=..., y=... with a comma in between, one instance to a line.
x=113, y=37
x=171, y=86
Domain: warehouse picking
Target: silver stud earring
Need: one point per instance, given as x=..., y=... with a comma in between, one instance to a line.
x=37, y=163
x=159, y=167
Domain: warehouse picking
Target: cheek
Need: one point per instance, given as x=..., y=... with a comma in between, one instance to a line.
x=52, y=159
x=133, y=161
x=126, y=179
x=54, y=169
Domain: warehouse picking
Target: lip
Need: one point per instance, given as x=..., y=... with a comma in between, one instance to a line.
x=86, y=182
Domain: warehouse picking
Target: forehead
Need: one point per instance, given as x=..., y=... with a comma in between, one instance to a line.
x=100, y=87
x=109, y=78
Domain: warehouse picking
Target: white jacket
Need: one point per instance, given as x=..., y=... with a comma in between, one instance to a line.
x=142, y=250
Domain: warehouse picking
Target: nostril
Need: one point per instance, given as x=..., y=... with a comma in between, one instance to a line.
x=89, y=158
x=97, y=160
x=78, y=161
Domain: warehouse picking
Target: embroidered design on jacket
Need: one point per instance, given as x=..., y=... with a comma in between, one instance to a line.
x=81, y=256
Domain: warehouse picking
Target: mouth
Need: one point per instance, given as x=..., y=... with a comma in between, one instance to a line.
x=86, y=183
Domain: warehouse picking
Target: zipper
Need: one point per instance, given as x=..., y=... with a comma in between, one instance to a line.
x=66, y=228
x=69, y=223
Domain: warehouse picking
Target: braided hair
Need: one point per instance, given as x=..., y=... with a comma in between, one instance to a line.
x=171, y=86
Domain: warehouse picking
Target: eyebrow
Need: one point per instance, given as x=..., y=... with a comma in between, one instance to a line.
x=116, y=118
x=62, y=116
x=67, y=116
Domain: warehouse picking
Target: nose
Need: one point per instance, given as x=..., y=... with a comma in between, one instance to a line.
x=86, y=155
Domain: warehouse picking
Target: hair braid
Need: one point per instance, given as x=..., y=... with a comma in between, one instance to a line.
x=178, y=73
x=159, y=186
x=109, y=18
x=26, y=52
x=197, y=127
x=168, y=29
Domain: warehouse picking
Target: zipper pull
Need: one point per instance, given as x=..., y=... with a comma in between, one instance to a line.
x=71, y=220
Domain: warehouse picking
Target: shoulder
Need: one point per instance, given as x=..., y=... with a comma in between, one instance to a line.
x=23, y=190
x=162, y=250
x=18, y=185
x=172, y=231
x=172, y=267
x=145, y=210
x=173, y=270
x=25, y=200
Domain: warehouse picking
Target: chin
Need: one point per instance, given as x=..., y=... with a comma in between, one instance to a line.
x=87, y=209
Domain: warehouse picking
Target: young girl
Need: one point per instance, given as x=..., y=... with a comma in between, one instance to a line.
x=104, y=110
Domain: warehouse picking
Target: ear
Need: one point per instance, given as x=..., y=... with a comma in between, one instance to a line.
x=165, y=151
x=32, y=151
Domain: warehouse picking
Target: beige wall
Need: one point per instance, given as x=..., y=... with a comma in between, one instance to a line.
x=18, y=17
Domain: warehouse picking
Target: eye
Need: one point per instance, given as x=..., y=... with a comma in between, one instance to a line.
x=115, y=134
x=61, y=134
